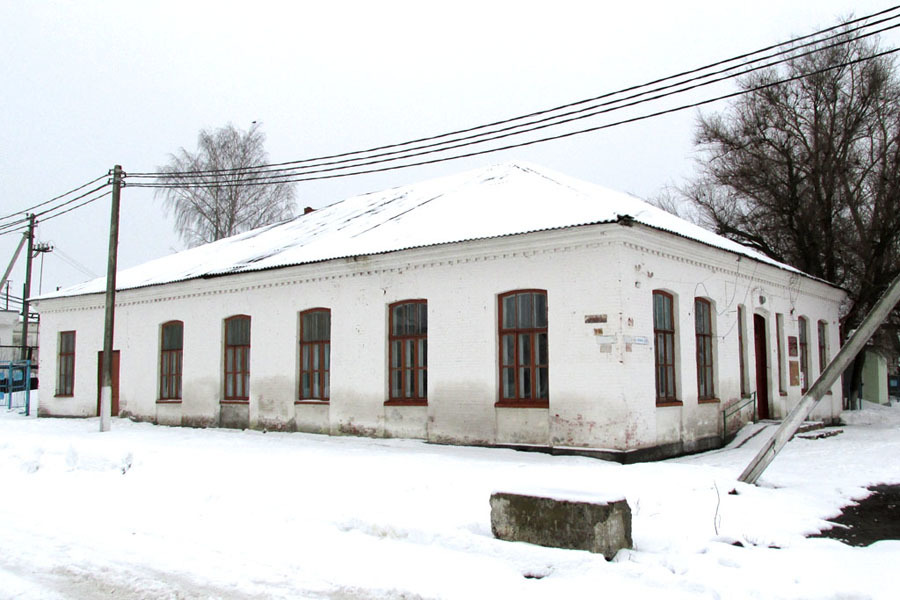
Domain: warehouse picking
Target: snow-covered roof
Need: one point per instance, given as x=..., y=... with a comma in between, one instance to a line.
x=500, y=200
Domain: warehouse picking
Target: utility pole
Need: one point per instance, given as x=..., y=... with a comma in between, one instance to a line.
x=26, y=293
x=826, y=379
x=106, y=385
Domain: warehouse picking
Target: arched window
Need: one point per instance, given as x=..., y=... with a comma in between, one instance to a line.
x=804, y=353
x=823, y=346
x=703, y=333
x=315, y=354
x=664, y=340
x=408, y=352
x=171, y=346
x=742, y=350
x=237, y=358
x=524, y=351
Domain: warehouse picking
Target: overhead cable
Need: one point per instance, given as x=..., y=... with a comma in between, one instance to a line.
x=792, y=46
x=563, y=135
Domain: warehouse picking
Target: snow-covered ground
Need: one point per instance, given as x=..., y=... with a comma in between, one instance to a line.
x=154, y=512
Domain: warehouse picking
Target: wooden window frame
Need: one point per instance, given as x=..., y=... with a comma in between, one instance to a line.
x=405, y=358
x=242, y=351
x=318, y=350
x=540, y=397
x=803, y=343
x=779, y=345
x=169, y=380
x=822, y=330
x=65, y=378
x=665, y=339
x=705, y=351
x=742, y=351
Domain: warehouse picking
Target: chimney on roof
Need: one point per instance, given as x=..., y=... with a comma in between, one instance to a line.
x=308, y=210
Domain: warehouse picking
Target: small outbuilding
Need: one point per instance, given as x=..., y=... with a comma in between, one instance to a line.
x=507, y=306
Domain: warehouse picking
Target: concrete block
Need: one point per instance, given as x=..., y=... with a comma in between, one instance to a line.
x=599, y=527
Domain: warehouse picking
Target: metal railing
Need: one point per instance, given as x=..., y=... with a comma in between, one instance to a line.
x=735, y=409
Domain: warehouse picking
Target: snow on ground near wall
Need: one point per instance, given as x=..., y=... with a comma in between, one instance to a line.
x=155, y=512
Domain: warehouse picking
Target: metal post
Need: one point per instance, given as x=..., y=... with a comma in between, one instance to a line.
x=826, y=379
x=12, y=263
x=106, y=385
x=26, y=293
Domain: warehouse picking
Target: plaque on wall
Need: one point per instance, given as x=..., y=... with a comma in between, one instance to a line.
x=794, y=371
x=792, y=345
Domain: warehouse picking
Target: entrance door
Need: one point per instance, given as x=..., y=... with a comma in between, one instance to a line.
x=762, y=367
x=114, y=409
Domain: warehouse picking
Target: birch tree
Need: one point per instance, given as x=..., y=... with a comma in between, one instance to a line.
x=212, y=192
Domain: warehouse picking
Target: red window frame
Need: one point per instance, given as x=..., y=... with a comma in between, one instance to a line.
x=823, y=345
x=803, y=336
x=237, y=359
x=742, y=353
x=408, y=352
x=65, y=364
x=315, y=355
x=703, y=335
x=171, y=349
x=779, y=334
x=664, y=345
x=524, y=354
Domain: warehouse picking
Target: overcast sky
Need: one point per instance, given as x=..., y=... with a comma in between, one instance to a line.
x=89, y=84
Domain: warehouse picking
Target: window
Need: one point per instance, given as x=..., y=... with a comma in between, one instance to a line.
x=704, y=338
x=237, y=358
x=779, y=335
x=664, y=338
x=408, y=342
x=804, y=353
x=524, y=355
x=315, y=354
x=742, y=351
x=823, y=346
x=170, y=356
x=65, y=364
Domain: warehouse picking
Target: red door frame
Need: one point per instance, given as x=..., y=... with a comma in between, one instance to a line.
x=762, y=367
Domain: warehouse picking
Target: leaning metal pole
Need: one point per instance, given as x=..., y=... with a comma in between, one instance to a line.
x=106, y=381
x=826, y=379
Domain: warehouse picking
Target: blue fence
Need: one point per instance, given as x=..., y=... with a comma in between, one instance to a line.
x=16, y=385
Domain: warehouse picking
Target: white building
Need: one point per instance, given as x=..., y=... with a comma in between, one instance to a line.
x=505, y=306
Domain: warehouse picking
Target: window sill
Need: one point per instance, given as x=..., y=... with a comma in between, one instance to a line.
x=63, y=395
x=522, y=404
x=669, y=403
x=782, y=393
x=312, y=402
x=169, y=401
x=234, y=401
x=708, y=401
x=406, y=402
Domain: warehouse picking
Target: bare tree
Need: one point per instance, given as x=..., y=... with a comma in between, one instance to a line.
x=227, y=201
x=808, y=171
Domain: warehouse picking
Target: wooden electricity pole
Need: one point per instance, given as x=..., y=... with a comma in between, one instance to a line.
x=826, y=379
x=106, y=385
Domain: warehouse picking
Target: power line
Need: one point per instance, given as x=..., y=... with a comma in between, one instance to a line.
x=44, y=203
x=266, y=179
x=77, y=206
x=13, y=227
x=272, y=168
x=558, y=136
x=70, y=201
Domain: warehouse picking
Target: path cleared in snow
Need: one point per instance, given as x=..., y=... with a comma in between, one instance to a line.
x=154, y=512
